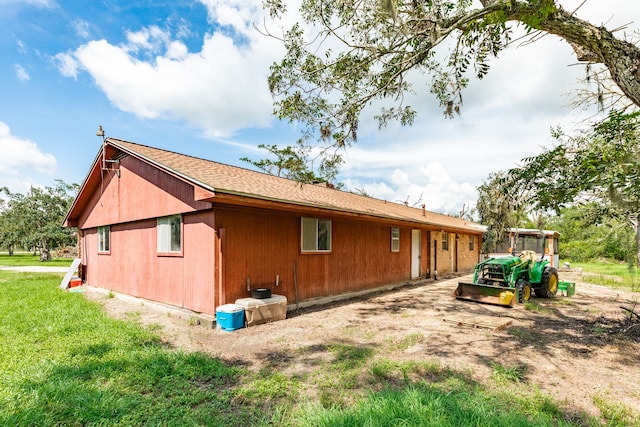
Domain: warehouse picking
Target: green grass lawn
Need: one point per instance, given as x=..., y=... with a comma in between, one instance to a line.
x=22, y=259
x=64, y=362
x=610, y=273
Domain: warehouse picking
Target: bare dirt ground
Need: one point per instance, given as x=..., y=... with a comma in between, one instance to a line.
x=574, y=349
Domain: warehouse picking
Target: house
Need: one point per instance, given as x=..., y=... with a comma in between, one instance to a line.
x=198, y=234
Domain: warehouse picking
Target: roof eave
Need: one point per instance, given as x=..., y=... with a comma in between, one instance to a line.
x=396, y=219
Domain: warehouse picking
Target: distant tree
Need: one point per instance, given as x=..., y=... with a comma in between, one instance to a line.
x=358, y=54
x=297, y=164
x=360, y=192
x=9, y=234
x=586, y=234
x=499, y=209
x=36, y=218
x=600, y=166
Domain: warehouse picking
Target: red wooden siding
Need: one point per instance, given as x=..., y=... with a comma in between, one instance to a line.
x=257, y=246
x=133, y=266
x=262, y=244
x=142, y=191
x=199, y=262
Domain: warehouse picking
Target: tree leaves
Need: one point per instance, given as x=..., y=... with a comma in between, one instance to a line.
x=297, y=163
x=349, y=55
x=601, y=165
x=499, y=208
x=34, y=220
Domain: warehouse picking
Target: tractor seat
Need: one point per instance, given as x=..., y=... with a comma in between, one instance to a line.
x=529, y=255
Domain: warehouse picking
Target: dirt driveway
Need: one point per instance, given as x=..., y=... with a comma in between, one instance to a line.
x=573, y=349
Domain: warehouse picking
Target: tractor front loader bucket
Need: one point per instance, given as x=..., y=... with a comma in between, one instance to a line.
x=489, y=294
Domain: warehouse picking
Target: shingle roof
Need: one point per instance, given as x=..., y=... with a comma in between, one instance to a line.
x=223, y=178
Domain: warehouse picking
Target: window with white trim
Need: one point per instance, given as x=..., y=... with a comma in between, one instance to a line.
x=104, y=238
x=472, y=242
x=395, y=239
x=316, y=235
x=445, y=241
x=170, y=234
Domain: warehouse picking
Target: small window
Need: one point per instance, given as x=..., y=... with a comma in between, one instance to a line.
x=170, y=234
x=472, y=242
x=445, y=241
x=395, y=239
x=316, y=235
x=103, y=238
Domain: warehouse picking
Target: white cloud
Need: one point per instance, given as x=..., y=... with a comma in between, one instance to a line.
x=177, y=50
x=67, y=64
x=219, y=90
x=236, y=14
x=81, y=28
x=151, y=39
x=21, y=46
x=21, y=73
x=20, y=156
x=183, y=29
x=430, y=184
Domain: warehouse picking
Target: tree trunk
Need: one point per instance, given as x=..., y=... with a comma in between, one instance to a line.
x=636, y=227
x=597, y=44
x=591, y=44
x=45, y=255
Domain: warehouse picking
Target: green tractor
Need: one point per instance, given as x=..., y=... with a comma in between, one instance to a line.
x=510, y=280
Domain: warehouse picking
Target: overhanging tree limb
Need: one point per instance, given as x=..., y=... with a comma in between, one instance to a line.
x=363, y=51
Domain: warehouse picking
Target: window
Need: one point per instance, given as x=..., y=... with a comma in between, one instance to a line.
x=103, y=238
x=395, y=239
x=472, y=241
x=170, y=233
x=445, y=241
x=316, y=235
x=530, y=243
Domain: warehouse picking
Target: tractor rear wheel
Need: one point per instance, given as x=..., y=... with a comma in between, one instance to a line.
x=524, y=291
x=549, y=284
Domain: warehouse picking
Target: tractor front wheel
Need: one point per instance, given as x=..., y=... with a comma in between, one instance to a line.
x=524, y=291
x=549, y=285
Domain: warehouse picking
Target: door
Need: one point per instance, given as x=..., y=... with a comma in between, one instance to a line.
x=415, y=253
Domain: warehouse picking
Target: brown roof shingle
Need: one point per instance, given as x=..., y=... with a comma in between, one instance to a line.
x=223, y=178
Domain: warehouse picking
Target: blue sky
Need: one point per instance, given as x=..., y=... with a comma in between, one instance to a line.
x=190, y=76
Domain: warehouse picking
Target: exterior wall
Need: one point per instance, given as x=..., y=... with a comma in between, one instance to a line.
x=468, y=258
x=133, y=266
x=130, y=205
x=444, y=257
x=260, y=245
x=227, y=250
x=458, y=258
